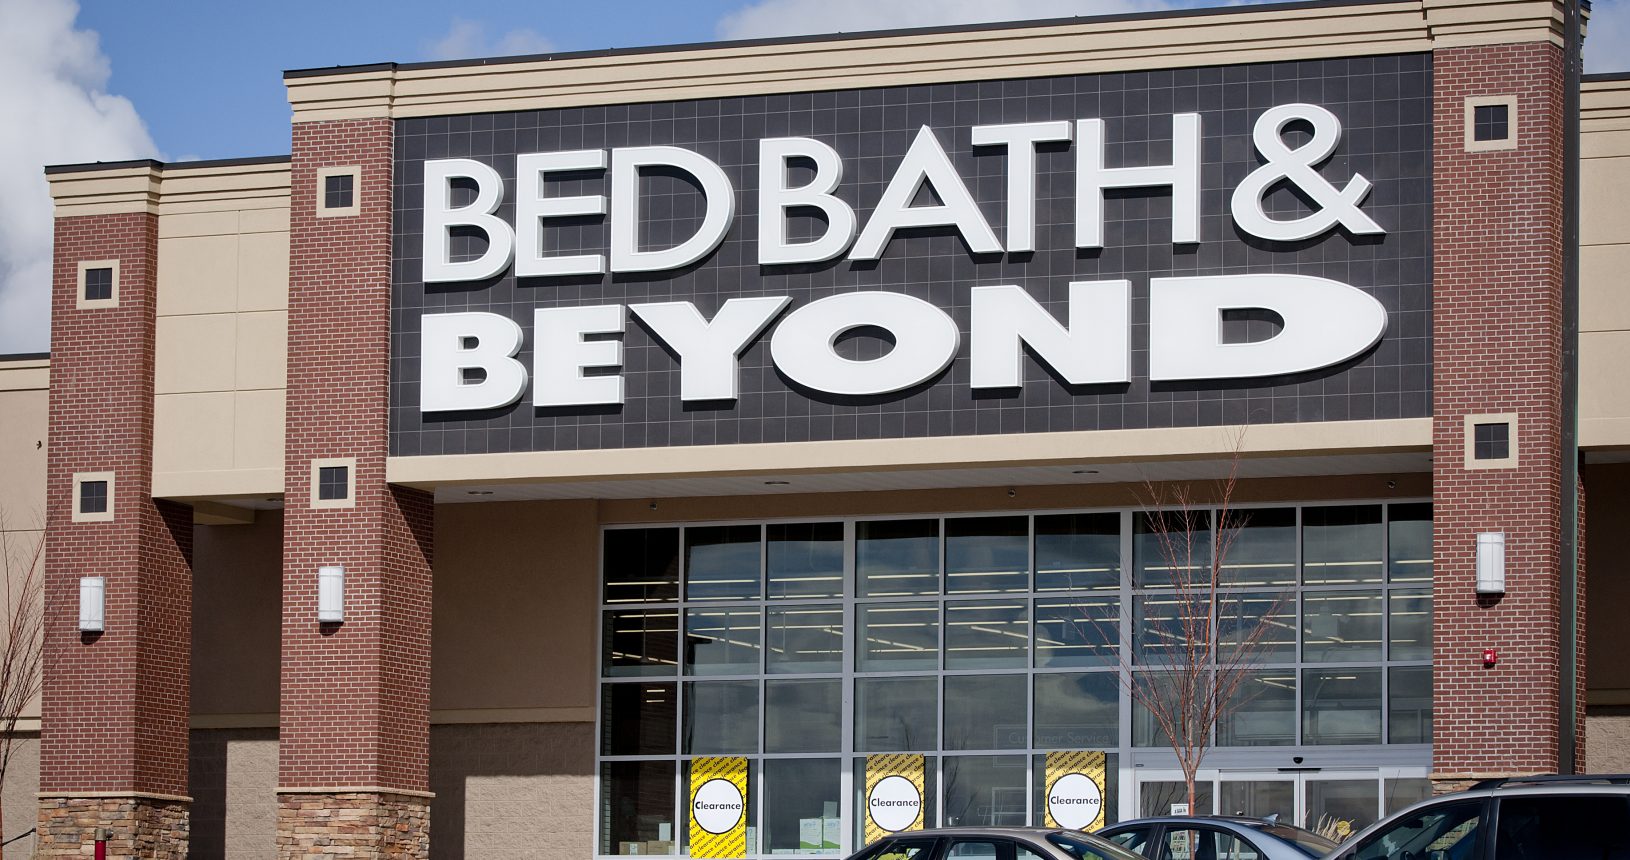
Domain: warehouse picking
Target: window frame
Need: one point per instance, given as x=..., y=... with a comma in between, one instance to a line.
x=1509, y=101
x=103, y=516
x=317, y=467
x=323, y=209
x=81, y=301
x=1513, y=440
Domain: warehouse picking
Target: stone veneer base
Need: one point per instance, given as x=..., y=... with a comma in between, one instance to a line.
x=382, y=825
x=134, y=826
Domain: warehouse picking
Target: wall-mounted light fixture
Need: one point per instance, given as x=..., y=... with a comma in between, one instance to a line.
x=1491, y=563
x=92, y=603
x=331, y=594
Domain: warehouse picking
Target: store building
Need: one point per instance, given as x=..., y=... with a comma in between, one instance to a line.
x=542, y=434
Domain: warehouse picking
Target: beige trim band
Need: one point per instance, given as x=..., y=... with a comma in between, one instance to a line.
x=1486, y=774
x=1334, y=437
x=113, y=795
x=1080, y=46
x=471, y=716
x=164, y=191
x=357, y=789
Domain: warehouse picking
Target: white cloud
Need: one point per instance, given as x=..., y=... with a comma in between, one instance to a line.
x=799, y=17
x=53, y=81
x=466, y=39
x=1607, y=38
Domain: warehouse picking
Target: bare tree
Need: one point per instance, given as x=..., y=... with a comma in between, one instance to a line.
x=1188, y=673
x=22, y=650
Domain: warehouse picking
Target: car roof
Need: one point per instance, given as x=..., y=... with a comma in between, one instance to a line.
x=1241, y=820
x=986, y=831
x=1583, y=784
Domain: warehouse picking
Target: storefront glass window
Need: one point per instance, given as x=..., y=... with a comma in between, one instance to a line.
x=1078, y=552
x=640, y=642
x=801, y=797
x=721, y=642
x=722, y=563
x=1257, y=627
x=985, y=791
x=1171, y=547
x=897, y=558
x=804, y=559
x=1262, y=711
x=1077, y=632
x=721, y=718
x=985, y=712
x=1341, y=626
x=803, y=638
x=637, y=807
x=1341, y=544
x=1409, y=542
x=1341, y=706
x=967, y=648
x=987, y=634
x=641, y=565
x=896, y=714
x=638, y=719
x=1260, y=547
x=1078, y=710
x=984, y=554
x=1409, y=620
x=802, y=716
x=1409, y=705
x=899, y=637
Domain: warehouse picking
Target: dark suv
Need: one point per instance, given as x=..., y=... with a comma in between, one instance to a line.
x=1524, y=818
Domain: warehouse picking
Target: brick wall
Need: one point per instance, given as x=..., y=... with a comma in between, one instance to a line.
x=114, y=704
x=355, y=696
x=1498, y=327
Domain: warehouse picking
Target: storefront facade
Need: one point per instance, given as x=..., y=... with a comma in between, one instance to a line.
x=653, y=452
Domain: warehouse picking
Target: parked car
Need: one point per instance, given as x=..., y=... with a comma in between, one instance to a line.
x=994, y=843
x=1551, y=817
x=1217, y=837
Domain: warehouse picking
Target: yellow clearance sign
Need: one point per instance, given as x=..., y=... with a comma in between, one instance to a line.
x=718, y=807
x=1075, y=789
x=894, y=794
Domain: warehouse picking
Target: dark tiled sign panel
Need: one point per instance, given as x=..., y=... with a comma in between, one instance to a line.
x=1384, y=107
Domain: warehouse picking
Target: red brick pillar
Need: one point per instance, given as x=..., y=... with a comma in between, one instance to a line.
x=1497, y=328
x=354, y=736
x=113, y=746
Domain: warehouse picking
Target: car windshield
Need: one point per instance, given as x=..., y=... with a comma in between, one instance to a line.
x=1310, y=842
x=1084, y=847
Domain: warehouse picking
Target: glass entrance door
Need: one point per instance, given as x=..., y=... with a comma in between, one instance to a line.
x=1333, y=802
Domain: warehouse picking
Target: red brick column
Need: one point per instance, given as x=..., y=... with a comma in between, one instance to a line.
x=354, y=750
x=113, y=747
x=1497, y=328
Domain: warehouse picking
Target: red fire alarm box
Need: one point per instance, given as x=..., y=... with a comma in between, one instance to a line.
x=1490, y=656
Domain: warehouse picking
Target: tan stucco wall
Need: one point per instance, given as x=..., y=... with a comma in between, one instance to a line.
x=1604, y=265
x=1607, y=585
x=515, y=790
x=19, y=797
x=237, y=622
x=24, y=400
x=221, y=343
x=24, y=405
x=514, y=616
x=232, y=777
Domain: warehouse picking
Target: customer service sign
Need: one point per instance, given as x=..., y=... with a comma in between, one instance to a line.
x=1198, y=247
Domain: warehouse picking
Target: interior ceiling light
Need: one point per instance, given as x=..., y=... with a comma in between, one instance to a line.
x=478, y=492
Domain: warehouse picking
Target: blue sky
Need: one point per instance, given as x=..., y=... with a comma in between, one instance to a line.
x=106, y=80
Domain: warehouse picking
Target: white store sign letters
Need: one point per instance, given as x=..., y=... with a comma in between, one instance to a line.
x=468, y=360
